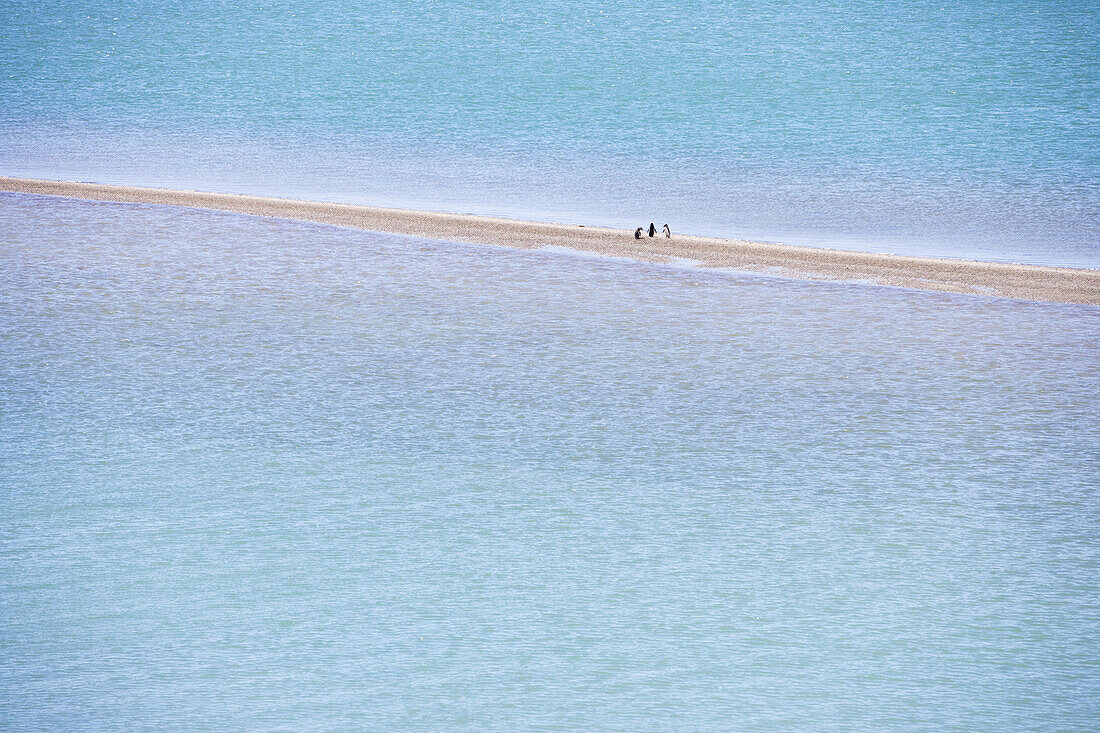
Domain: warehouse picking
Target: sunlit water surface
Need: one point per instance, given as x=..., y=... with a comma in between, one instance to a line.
x=964, y=129
x=258, y=474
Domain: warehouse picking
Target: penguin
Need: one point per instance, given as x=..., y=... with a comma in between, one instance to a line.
x=667, y=231
x=638, y=233
x=652, y=229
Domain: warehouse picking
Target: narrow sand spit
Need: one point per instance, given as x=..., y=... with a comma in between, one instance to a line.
x=1028, y=282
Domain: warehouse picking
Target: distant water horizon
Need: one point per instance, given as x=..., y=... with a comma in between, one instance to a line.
x=969, y=131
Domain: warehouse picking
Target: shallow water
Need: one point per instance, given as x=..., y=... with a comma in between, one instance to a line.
x=263, y=474
x=968, y=129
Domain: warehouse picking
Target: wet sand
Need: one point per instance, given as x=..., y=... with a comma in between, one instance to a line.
x=1027, y=282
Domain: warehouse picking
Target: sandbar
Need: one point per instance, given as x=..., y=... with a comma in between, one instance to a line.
x=1025, y=282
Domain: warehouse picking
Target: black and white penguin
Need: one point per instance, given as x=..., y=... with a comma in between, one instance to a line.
x=667, y=231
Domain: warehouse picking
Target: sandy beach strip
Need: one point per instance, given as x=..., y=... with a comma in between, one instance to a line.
x=1027, y=282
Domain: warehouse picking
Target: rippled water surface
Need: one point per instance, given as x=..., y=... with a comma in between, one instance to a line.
x=257, y=474
x=967, y=128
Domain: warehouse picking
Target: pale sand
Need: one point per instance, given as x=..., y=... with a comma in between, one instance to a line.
x=1028, y=282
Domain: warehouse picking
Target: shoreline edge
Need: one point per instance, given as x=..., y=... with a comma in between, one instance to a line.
x=1025, y=282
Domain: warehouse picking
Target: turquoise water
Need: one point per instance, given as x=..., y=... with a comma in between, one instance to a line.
x=964, y=129
x=258, y=474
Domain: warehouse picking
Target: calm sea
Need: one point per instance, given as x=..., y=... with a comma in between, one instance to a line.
x=265, y=475
x=258, y=474
x=966, y=128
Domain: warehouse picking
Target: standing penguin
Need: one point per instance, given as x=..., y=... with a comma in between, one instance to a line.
x=638, y=233
x=667, y=231
x=652, y=229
